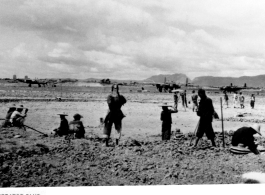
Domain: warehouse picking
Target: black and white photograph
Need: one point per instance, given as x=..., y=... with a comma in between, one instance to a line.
x=131, y=93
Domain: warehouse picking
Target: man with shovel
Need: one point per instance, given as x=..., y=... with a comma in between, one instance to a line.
x=205, y=112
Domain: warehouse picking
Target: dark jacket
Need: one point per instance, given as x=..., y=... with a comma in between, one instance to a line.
x=63, y=129
x=166, y=116
x=206, y=110
x=115, y=103
x=244, y=135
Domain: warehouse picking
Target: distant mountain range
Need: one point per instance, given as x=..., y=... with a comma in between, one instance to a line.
x=251, y=81
x=177, y=78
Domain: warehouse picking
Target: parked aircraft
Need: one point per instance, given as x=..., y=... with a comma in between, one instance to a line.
x=39, y=82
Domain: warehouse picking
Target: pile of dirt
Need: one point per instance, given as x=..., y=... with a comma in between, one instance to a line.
x=35, y=162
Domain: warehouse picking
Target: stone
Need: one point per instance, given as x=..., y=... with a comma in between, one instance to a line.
x=17, y=136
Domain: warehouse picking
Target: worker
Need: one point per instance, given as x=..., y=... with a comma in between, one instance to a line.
x=205, y=112
x=244, y=136
x=115, y=101
x=63, y=129
x=176, y=99
x=17, y=119
x=194, y=99
x=166, y=121
x=10, y=111
x=76, y=126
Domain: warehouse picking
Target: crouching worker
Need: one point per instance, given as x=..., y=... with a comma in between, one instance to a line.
x=166, y=121
x=63, y=129
x=115, y=115
x=10, y=111
x=76, y=127
x=244, y=135
x=17, y=119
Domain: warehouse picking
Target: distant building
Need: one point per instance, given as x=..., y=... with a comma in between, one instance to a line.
x=14, y=77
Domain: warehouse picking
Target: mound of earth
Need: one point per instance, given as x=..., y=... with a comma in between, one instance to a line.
x=31, y=160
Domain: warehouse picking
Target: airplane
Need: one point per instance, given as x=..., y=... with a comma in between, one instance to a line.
x=37, y=82
x=166, y=87
x=232, y=88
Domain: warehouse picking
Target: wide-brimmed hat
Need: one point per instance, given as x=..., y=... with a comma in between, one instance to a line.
x=165, y=105
x=62, y=114
x=20, y=106
x=78, y=116
x=256, y=127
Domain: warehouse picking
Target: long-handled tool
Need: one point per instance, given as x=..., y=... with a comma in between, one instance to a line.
x=24, y=126
x=36, y=130
x=195, y=131
x=222, y=122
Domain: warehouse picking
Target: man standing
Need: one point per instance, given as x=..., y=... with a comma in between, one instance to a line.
x=205, y=112
x=176, y=100
x=115, y=115
x=241, y=100
x=166, y=121
x=244, y=135
x=252, y=101
x=194, y=99
x=235, y=99
x=17, y=118
x=183, y=97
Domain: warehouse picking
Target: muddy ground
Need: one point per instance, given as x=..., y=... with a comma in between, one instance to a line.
x=29, y=159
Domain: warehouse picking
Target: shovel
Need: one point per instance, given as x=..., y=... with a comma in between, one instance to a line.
x=195, y=131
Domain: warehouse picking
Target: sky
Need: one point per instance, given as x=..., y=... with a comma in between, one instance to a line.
x=131, y=39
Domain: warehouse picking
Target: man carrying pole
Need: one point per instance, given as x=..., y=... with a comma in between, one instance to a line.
x=115, y=101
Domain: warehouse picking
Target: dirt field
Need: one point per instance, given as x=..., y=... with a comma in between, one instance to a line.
x=86, y=162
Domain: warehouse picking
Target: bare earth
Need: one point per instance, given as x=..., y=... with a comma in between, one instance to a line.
x=141, y=158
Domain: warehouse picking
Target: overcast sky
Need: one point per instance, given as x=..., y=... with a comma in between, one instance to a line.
x=131, y=39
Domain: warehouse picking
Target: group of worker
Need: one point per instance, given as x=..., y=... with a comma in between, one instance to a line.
x=75, y=127
x=239, y=99
x=15, y=117
x=205, y=110
x=243, y=137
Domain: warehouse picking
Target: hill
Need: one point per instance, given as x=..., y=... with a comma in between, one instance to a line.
x=251, y=81
x=177, y=78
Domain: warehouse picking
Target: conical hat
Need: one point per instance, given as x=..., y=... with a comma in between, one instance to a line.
x=256, y=127
x=62, y=114
x=21, y=106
